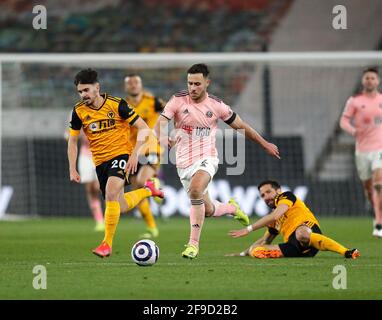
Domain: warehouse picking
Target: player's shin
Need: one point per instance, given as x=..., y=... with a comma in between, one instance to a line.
x=197, y=214
x=133, y=198
x=323, y=243
x=112, y=214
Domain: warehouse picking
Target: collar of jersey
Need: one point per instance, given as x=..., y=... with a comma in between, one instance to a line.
x=105, y=97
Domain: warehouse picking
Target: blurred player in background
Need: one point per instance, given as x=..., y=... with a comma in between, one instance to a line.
x=86, y=169
x=293, y=219
x=106, y=122
x=148, y=107
x=196, y=114
x=362, y=118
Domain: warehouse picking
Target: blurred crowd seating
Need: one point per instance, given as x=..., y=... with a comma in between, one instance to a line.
x=140, y=25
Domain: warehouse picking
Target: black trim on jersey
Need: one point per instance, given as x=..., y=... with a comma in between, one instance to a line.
x=273, y=231
x=133, y=121
x=75, y=122
x=165, y=116
x=124, y=110
x=286, y=195
x=231, y=119
x=181, y=93
x=158, y=104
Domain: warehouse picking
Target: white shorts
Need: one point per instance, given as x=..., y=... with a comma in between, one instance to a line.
x=86, y=169
x=209, y=165
x=367, y=162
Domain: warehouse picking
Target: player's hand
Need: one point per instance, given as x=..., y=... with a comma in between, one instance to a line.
x=272, y=149
x=238, y=233
x=132, y=164
x=74, y=176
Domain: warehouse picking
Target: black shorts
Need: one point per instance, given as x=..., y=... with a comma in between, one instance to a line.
x=112, y=168
x=293, y=248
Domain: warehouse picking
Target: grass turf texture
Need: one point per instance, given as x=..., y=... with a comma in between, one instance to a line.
x=73, y=272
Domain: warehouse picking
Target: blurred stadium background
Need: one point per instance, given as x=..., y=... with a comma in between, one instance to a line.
x=294, y=99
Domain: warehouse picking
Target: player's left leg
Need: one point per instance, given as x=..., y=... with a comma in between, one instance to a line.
x=323, y=243
x=377, y=200
x=217, y=209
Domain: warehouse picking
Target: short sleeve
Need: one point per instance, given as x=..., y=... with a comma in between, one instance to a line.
x=226, y=114
x=170, y=108
x=158, y=104
x=75, y=124
x=273, y=231
x=125, y=112
x=349, y=109
x=287, y=198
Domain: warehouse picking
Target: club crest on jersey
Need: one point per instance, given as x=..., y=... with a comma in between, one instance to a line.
x=209, y=114
x=110, y=114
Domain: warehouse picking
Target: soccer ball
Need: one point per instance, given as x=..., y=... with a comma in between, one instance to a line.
x=145, y=252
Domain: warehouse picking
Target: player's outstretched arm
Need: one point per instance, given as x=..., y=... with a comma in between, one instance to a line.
x=72, y=158
x=251, y=133
x=261, y=223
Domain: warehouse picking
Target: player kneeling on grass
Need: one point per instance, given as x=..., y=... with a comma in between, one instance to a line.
x=293, y=219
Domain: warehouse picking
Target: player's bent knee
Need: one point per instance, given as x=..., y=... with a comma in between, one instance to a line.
x=195, y=193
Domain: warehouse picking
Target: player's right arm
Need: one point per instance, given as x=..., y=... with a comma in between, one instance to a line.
x=251, y=133
x=74, y=131
x=347, y=117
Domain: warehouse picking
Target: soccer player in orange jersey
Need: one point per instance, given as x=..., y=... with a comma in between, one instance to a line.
x=106, y=122
x=362, y=118
x=298, y=225
x=148, y=107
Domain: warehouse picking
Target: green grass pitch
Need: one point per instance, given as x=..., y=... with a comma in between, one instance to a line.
x=64, y=246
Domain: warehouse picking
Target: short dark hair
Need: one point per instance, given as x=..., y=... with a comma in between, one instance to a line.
x=273, y=183
x=199, y=68
x=86, y=76
x=371, y=69
x=132, y=75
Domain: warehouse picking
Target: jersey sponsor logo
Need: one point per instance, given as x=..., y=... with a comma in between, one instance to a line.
x=188, y=129
x=203, y=131
x=377, y=120
x=102, y=125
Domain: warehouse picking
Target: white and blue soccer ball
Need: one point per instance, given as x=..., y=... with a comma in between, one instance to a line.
x=145, y=252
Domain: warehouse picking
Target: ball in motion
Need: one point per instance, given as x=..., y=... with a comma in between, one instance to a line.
x=145, y=252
